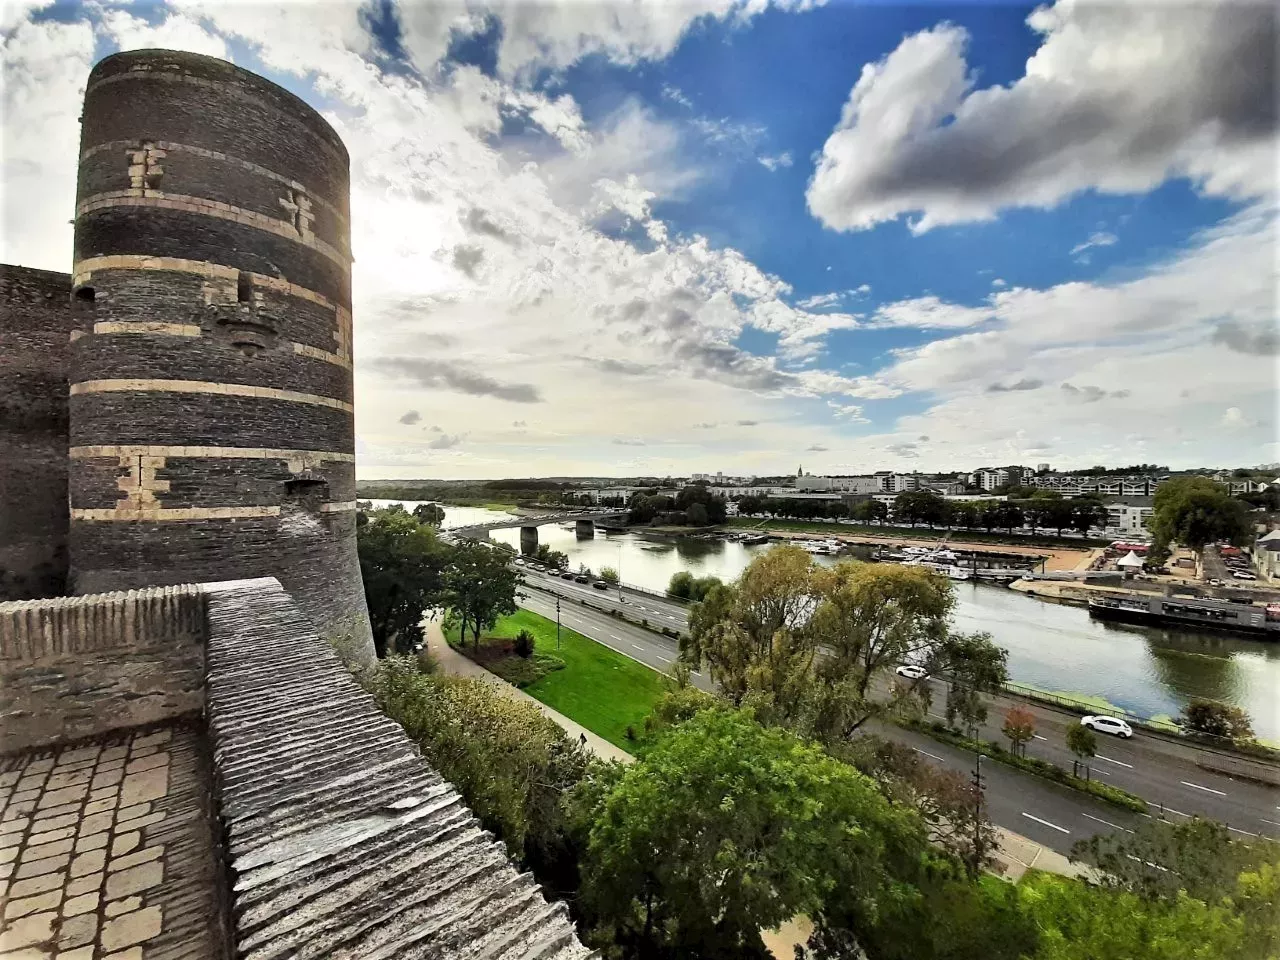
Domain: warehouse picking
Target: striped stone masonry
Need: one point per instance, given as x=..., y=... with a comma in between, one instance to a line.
x=198, y=386
x=344, y=843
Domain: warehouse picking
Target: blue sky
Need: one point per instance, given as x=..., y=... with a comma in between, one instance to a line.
x=728, y=235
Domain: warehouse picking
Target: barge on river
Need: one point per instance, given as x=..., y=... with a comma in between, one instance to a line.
x=1244, y=618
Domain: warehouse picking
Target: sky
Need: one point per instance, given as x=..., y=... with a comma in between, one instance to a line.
x=614, y=239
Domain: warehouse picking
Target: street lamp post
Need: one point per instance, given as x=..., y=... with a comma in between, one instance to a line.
x=978, y=851
x=620, y=572
x=557, y=622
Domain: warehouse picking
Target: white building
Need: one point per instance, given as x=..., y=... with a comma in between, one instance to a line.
x=1042, y=468
x=812, y=484
x=988, y=478
x=901, y=482
x=1128, y=518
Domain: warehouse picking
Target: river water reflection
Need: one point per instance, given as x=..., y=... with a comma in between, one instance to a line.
x=1052, y=646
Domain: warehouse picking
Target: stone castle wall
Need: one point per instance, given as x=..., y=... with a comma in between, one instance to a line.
x=76, y=667
x=37, y=318
x=211, y=397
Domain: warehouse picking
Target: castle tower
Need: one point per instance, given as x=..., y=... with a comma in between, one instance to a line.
x=211, y=415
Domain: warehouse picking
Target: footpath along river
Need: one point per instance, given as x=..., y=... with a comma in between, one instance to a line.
x=1152, y=672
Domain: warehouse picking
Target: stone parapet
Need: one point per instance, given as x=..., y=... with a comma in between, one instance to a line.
x=77, y=667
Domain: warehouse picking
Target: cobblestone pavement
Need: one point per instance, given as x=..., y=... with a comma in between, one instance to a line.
x=106, y=851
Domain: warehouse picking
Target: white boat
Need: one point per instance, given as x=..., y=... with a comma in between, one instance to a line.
x=824, y=548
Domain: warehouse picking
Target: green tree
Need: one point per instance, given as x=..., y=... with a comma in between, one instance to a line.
x=511, y=763
x=975, y=665
x=870, y=617
x=1217, y=720
x=552, y=558
x=609, y=575
x=1087, y=511
x=1082, y=922
x=1194, y=511
x=1083, y=742
x=1157, y=860
x=681, y=585
x=402, y=564
x=762, y=646
x=725, y=828
x=1019, y=727
x=431, y=513
x=697, y=515
x=480, y=586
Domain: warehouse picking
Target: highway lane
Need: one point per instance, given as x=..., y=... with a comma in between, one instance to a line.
x=1161, y=771
x=1052, y=815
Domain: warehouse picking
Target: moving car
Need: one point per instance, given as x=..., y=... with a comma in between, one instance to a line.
x=1244, y=575
x=911, y=671
x=1112, y=725
x=1215, y=582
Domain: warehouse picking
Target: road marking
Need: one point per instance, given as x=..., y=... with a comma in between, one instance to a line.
x=1038, y=737
x=637, y=646
x=1104, y=773
x=1272, y=822
x=1047, y=823
x=663, y=659
x=695, y=673
x=1118, y=763
x=612, y=637
x=1245, y=832
x=1147, y=863
x=1107, y=822
x=1178, y=812
x=1196, y=786
x=928, y=754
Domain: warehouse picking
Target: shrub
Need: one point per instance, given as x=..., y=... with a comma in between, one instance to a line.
x=523, y=644
x=1217, y=720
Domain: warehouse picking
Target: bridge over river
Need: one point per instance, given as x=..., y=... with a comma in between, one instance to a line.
x=585, y=521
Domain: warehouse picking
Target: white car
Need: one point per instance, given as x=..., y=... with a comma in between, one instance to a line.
x=1243, y=575
x=1112, y=725
x=911, y=671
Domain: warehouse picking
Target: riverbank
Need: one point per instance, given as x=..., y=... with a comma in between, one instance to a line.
x=1057, y=559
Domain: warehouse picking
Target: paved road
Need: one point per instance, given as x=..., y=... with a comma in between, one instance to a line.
x=1145, y=766
x=1163, y=772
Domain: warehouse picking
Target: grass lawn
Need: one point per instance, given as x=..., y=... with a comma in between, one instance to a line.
x=598, y=687
x=918, y=533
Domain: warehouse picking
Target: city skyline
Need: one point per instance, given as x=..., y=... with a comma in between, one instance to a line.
x=581, y=250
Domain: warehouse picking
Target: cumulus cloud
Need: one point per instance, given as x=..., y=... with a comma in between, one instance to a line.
x=446, y=441
x=432, y=374
x=998, y=282
x=1118, y=98
x=628, y=442
x=410, y=416
x=1232, y=417
x=929, y=313
x=816, y=448
x=748, y=423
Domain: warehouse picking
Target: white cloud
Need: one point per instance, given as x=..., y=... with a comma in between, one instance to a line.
x=861, y=289
x=928, y=313
x=675, y=95
x=1098, y=239
x=45, y=66
x=1118, y=98
x=174, y=32
x=819, y=301
x=998, y=282
x=775, y=163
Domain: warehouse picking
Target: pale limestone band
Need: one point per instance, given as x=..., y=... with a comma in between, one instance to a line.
x=83, y=271
x=128, y=146
x=338, y=506
x=201, y=386
x=146, y=326
x=157, y=199
x=90, y=451
x=149, y=513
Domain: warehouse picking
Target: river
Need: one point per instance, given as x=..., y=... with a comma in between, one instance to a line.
x=1151, y=672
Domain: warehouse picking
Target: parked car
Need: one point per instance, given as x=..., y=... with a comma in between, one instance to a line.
x=1112, y=725
x=600, y=585
x=911, y=671
x=580, y=578
x=1215, y=582
x=566, y=576
x=1245, y=575
x=519, y=562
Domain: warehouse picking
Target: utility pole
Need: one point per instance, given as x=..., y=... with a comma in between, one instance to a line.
x=557, y=621
x=979, y=852
x=620, y=572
